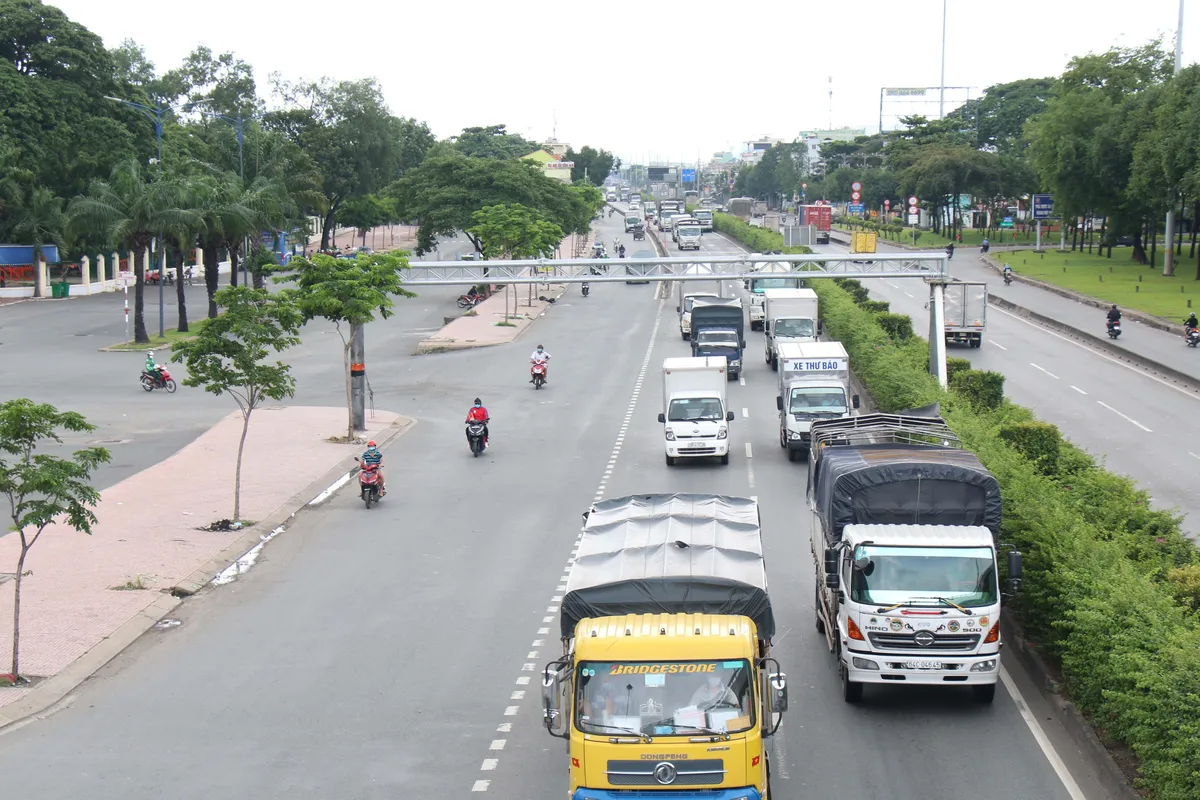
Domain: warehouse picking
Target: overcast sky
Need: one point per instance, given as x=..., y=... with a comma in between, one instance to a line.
x=645, y=80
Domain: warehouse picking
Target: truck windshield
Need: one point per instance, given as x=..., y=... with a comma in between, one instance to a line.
x=793, y=327
x=919, y=575
x=705, y=215
x=758, y=284
x=664, y=698
x=717, y=338
x=817, y=400
x=689, y=230
x=695, y=409
x=633, y=220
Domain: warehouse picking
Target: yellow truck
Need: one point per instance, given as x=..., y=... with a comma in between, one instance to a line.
x=666, y=683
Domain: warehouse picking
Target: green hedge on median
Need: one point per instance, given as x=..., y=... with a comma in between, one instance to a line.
x=1111, y=585
x=759, y=240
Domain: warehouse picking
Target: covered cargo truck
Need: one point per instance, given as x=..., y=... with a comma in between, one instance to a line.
x=814, y=384
x=718, y=329
x=821, y=218
x=666, y=683
x=774, y=276
x=966, y=312
x=904, y=541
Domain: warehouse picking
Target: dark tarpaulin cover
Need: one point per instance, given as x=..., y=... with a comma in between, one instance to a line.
x=899, y=484
x=669, y=554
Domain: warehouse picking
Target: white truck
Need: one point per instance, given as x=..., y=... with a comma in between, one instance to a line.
x=687, y=234
x=905, y=545
x=695, y=413
x=689, y=291
x=774, y=276
x=814, y=384
x=705, y=217
x=966, y=313
x=789, y=315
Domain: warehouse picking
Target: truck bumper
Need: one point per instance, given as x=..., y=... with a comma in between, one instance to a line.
x=744, y=793
x=711, y=448
x=800, y=443
x=895, y=668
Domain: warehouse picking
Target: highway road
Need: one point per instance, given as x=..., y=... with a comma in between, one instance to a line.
x=393, y=652
x=49, y=352
x=1137, y=423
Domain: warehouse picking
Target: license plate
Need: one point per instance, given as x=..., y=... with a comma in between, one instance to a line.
x=696, y=445
x=923, y=665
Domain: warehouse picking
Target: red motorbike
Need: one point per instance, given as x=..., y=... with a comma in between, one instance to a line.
x=470, y=300
x=539, y=374
x=369, y=488
x=165, y=381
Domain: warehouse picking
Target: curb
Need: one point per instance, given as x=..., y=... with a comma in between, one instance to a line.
x=40, y=702
x=1082, y=732
x=430, y=347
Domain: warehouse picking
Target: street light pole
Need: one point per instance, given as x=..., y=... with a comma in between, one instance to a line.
x=1169, y=257
x=942, y=87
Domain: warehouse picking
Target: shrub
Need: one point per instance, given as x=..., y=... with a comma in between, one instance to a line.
x=876, y=306
x=955, y=366
x=1036, y=441
x=983, y=390
x=897, y=326
x=1185, y=584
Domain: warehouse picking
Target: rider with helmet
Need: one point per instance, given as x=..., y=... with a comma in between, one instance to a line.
x=372, y=457
x=477, y=413
x=540, y=356
x=1113, y=316
x=1190, y=323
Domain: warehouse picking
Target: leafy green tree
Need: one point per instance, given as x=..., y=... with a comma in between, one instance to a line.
x=595, y=165
x=515, y=232
x=128, y=212
x=224, y=80
x=942, y=174
x=348, y=292
x=493, y=141
x=366, y=212
x=998, y=118
x=39, y=221
x=42, y=488
x=232, y=354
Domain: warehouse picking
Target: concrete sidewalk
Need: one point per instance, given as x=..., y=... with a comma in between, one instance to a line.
x=85, y=598
x=483, y=328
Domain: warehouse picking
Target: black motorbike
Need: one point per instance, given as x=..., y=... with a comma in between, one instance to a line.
x=1193, y=337
x=639, y=234
x=1114, y=328
x=585, y=289
x=475, y=436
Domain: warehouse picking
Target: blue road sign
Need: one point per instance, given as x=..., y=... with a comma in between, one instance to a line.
x=1043, y=206
x=854, y=208
x=689, y=176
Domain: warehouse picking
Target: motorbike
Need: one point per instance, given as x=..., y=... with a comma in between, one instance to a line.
x=469, y=300
x=368, y=483
x=150, y=383
x=475, y=435
x=639, y=234
x=1114, y=328
x=1007, y=279
x=1193, y=337
x=539, y=375
x=585, y=289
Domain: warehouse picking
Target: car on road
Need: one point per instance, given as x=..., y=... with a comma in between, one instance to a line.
x=639, y=269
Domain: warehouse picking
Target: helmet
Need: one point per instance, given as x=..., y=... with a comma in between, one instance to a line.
x=478, y=402
x=371, y=443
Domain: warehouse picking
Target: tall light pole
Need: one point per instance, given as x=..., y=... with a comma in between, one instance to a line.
x=942, y=85
x=155, y=113
x=1169, y=259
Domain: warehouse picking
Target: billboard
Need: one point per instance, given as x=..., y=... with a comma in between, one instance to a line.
x=689, y=176
x=663, y=174
x=1043, y=206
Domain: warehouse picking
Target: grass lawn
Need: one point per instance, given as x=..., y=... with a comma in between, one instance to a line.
x=972, y=238
x=1113, y=280
x=160, y=342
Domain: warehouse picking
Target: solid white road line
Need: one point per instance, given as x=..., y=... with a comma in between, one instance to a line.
x=749, y=451
x=1122, y=416
x=1193, y=455
x=741, y=380
x=1076, y=388
x=993, y=341
x=1039, y=735
x=1043, y=369
x=745, y=413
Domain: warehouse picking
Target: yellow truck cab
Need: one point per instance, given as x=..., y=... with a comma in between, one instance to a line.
x=666, y=684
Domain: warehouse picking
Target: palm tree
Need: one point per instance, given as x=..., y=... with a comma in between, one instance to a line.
x=39, y=220
x=218, y=200
x=130, y=212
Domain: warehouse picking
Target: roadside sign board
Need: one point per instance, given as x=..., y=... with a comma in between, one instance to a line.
x=689, y=176
x=1007, y=222
x=856, y=186
x=887, y=203
x=1043, y=206
x=855, y=196
x=914, y=219
x=912, y=201
x=854, y=208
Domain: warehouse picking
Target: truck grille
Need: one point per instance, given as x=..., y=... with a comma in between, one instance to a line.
x=907, y=641
x=709, y=771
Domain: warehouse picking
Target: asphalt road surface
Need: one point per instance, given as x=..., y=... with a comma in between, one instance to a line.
x=49, y=353
x=394, y=652
x=1139, y=425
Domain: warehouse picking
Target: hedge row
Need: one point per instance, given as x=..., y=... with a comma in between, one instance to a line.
x=759, y=240
x=1111, y=586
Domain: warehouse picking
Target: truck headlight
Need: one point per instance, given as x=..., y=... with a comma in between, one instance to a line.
x=864, y=663
x=793, y=435
x=670, y=435
x=722, y=433
x=984, y=666
x=735, y=363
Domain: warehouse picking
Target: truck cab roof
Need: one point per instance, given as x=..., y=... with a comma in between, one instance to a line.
x=700, y=637
x=918, y=535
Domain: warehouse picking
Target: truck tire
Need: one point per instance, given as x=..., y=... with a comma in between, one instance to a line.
x=817, y=610
x=851, y=692
x=670, y=461
x=984, y=693
x=774, y=363
x=767, y=356
x=683, y=335
x=782, y=438
x=793, y=455
x=725, y=459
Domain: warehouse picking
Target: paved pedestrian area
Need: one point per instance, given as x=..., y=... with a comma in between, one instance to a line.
x=80, y=589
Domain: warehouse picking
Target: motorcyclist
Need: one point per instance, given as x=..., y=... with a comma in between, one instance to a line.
x=985, y=245
x=152, y=369
x=477, y=413
x=372, y=456
x=1007, y=272
x=950, y=250
x=1190, y=323
x=540, y=356
x=621, y=251
x=1113, y=316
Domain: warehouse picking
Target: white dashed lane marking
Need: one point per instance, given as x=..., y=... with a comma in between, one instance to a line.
x=1043, y=369
x=993, y=341
x=1076, y=388
x=1124, y=417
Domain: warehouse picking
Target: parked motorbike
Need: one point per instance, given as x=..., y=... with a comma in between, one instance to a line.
x=1114, y=329
x=469, y=300
x=1193, y=337
x=150, y=383
x=368, y=483
x=586, y=290
x=475, y=435
x=539, y=375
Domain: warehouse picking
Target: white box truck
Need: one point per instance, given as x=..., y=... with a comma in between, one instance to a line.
x=690, y=290
x=695, y=413
x=814, y=384
x=774, y=276
x=687, y=235
x=966, y=313
x=789, y=315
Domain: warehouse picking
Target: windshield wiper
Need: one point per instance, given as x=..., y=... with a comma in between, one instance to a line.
x=645, y=737
x=909, y=602
x=670, y=721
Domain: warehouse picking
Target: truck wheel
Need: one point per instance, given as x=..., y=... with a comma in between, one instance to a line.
x=978, y=341
x=683, y=335
x=782, y=438
x=767, y=356
x=774, y=363
x=817, y=609
x=793, y=455
x=725, y=458
x=851, y=691
x=984, y=693
x=670, y=461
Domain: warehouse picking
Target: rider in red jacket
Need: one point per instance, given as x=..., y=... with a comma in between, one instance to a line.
x=478, y=413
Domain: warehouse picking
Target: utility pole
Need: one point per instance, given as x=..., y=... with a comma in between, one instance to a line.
x=1169, y=259
x=942, y=87
x=358, y=378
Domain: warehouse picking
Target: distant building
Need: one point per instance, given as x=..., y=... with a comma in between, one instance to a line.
x=814, y=139
x=555, y=148
x=552, y=165
x=755, y=148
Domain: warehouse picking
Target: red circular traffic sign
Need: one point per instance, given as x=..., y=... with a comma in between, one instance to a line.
x=912, y=201
x=887, y=203
x=856, y=186
x=855, y=196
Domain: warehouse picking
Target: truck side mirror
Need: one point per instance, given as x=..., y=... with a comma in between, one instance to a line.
x=1014, y=571
x=678, y=309
x=767, y=327
x=662, y=417
x=820, y=328
x=729, y=416
x=552, y=716
x=743, y=344
x=831, y=567
x=779, y=693
x=854, y=401
x=779, y=402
